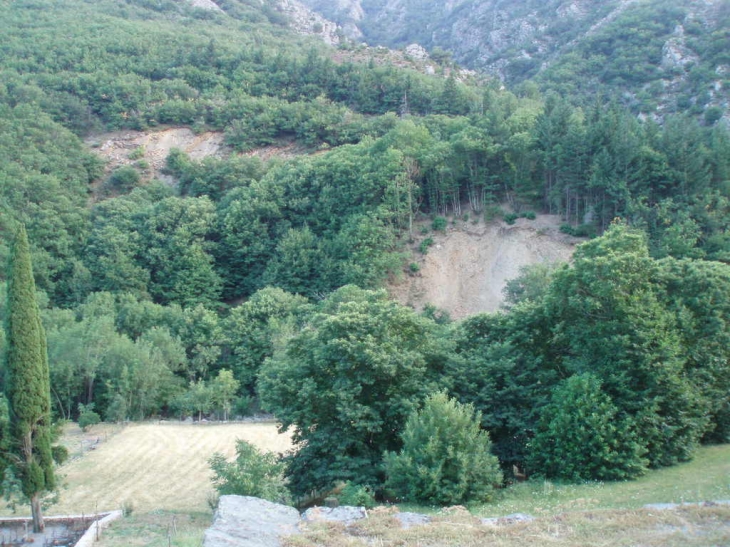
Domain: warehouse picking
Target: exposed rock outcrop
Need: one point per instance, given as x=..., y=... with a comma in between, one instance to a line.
x=244, y=521
x=344, y=514
x=305, y=21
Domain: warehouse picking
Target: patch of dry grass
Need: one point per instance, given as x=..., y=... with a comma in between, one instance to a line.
x=157, y=529
x=691, y=527
x=152, y=466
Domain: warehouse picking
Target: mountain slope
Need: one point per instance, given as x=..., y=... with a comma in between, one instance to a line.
x=660, y=56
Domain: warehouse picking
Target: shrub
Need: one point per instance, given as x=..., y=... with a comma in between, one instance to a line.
x=425, y=244
x=59, y=454
x=529, y=215
x=137, y=153
x=87, y=416
x=124, y=178
x=567, y=229
x=439, y=224
x=252, y=473
x=117, y=409
x=356, y=495
x=414, y=267
x=585, y=230
x=510, y=218
x=127, y=508
x=492, y=211
x=581, y=436
x=446, y=458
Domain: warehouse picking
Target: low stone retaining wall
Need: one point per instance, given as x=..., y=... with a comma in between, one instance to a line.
x=94, y=531
x=65, y=525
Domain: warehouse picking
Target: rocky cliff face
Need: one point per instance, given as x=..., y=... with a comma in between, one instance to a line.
x=668, y=50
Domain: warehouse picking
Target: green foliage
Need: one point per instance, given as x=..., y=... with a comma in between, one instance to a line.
x=124, y=179
x=510, y=218
x=87, y=416
x=252, y=473
x=612, y=322
x=439, y=224
x=60, y=454
x=504, y=366
x=531, y=285
x=27, y=385
x=582, y=436
x=345, y=385
x=253, y=328
x=356, y=495
x=446, y=458
x=139, y=285
x=425, y=244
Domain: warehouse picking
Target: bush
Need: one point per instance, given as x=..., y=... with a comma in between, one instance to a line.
x=253, y=473
x=492, y=211
x=446, y=457
x=124, y=178
x=414, y=267
x=59, y=453
x=583, y=230
x=87, y=416
x=356, y=495
x=529, y=215
x=439, y=224
x=510, y=218
x=425, y=244
x=137, y=153
x=582, y=437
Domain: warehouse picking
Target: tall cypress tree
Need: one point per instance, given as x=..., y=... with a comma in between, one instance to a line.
x=27, y=385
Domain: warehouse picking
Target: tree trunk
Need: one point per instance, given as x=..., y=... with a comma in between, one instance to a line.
x=37, y=512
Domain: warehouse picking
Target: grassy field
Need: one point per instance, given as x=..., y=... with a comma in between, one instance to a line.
x=161, y=472
x=151, y=466
x=707, y=477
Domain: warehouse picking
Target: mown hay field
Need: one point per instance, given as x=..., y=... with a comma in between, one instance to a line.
x=152, y=466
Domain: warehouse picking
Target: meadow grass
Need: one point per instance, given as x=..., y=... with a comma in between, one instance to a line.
x=707, y=477
x=160, y=472
x=149, y=466
x=158, y=529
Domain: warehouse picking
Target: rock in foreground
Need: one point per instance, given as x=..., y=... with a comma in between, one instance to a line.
x=243, y=521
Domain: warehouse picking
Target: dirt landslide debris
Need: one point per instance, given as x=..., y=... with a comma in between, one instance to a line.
x=466, y=268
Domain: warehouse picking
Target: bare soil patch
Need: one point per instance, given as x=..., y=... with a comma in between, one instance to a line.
x=118, y=148
x=468, y=266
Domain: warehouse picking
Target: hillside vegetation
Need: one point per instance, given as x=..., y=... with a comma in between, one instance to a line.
x=657, y=57
x=243, y=282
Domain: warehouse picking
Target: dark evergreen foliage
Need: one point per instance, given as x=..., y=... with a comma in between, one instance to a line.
x=446, y=457
x=27, y=384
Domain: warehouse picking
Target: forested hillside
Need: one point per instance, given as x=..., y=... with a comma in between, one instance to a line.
x=246, y=282
x=657, y=56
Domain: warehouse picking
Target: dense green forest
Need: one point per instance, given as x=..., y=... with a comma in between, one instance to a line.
x=251, y=283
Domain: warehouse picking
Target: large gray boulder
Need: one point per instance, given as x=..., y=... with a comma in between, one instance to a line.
x=345, y=514
x=244, y=521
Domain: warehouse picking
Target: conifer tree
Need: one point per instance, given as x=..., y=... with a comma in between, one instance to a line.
x=27, y=386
